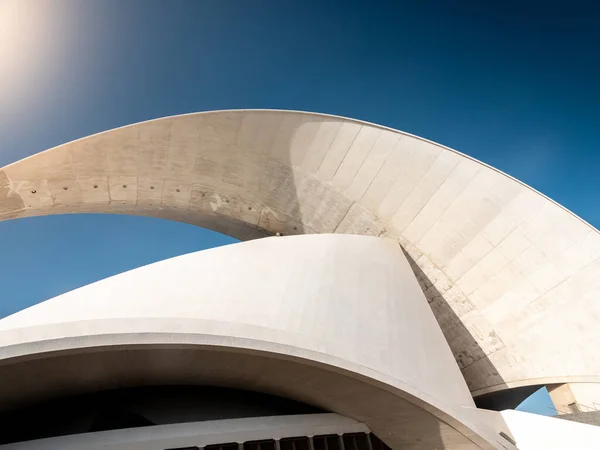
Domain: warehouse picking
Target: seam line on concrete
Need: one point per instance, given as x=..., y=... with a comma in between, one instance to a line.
x=346, y=153
x=189, y=202
x=329, y=147
x=106, y=171
x=417, y=184
x=362, y=163
x=460, y=317
x=387, y=193
x=450, y=204
x=306, y=147
x=342, y=219
x=429, y=198
x=381, y=167
x=337, y=132
x=558, y=285
x=137, y=172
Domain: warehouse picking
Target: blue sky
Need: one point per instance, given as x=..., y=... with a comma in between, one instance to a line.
x=513, y=84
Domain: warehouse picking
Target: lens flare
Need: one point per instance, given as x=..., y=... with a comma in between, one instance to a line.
x=26, y=41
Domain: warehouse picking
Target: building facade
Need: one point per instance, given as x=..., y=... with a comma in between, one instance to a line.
x=409, y=291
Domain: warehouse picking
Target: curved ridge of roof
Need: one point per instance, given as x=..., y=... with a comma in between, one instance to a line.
x=271, y=299
x=317, y=114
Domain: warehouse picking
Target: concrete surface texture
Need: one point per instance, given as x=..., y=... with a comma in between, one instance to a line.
x=590, y=418
x=575, y=397
x=511, y=277
x=334, y=321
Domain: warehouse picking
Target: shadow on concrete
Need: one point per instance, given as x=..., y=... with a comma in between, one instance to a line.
x=220, y=199
x=140, y=407
x=465, y=347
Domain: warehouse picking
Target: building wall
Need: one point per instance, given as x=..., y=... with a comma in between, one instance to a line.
x=575, y=397
x=354, y=298
x=334, y=321
x=535, y=432
x=510, y=276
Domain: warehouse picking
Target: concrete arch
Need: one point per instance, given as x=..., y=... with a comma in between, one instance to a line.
x=337, y=322
x=510, y=275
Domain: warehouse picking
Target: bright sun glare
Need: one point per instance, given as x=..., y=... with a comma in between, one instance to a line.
x=24, y=43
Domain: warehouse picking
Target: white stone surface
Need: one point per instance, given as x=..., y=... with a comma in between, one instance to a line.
x=346, y=310
x=512, y=277
x=535, y=432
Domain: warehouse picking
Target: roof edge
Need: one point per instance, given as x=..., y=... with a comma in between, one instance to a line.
x=324, y=115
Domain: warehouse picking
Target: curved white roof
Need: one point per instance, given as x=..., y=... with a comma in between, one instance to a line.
x=346, y=311
x=511, y=276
